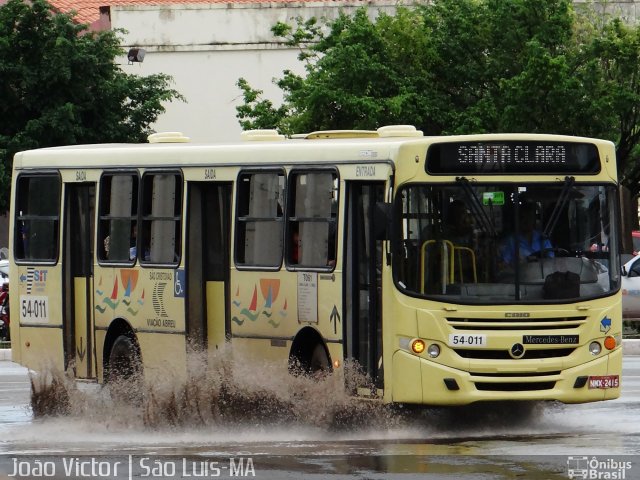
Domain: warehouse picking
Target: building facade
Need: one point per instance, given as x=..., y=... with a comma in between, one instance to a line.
x=206, y=48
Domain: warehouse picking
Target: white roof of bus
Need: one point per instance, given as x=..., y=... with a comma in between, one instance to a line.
x=362, y=149
x=114, y=155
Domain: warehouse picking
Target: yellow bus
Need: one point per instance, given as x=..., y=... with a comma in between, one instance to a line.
x=451, y=269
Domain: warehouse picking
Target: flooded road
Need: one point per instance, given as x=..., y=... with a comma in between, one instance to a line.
x=548, y=441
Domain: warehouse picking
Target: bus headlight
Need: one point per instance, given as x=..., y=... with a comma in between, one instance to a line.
x=595, y=348
x=433, y=351
x=418, y=346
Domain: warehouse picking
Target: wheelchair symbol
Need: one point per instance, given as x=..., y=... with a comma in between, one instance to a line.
x=178, y=289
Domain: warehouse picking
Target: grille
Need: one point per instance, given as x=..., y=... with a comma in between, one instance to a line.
x=515, y=387
x=485, y=354
x=518, y=324
x=516, y=374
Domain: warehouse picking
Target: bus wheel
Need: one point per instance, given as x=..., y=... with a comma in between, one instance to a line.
x=125, y=370
x=319, y=361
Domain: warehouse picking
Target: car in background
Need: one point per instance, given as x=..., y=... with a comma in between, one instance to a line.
x=635, y=238
x=631, y=289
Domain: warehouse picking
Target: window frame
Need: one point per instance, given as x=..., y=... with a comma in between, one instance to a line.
x=238, y=219
x=290, y=219
x=143, y=217
x=17, y=218
x=134, y=218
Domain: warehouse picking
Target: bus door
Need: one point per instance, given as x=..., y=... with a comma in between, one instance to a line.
x=363, y=282
x=207, y=264
x=78, y=320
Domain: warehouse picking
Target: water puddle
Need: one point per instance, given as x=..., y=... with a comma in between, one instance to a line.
x=240, y=406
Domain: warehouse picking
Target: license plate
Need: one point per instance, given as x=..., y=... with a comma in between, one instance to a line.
x=467, y=340
x=605, y=381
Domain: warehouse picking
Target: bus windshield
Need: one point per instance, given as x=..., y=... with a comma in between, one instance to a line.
x=510, y=242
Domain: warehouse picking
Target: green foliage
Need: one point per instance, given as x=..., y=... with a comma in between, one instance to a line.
x=59, y=85
x=465, y=66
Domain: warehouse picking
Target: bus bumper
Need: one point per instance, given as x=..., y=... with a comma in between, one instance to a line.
x=420, y=381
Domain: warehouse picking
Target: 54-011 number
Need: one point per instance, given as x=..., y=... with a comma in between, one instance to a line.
x=34, y=308
x=467, y=340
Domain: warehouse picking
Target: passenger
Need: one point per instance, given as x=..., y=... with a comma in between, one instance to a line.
x=530, y=240
x=458, y=228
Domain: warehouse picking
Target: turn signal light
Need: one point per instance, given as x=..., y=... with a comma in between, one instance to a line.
x=610, y=343
x=418, y=346
x=336, y=364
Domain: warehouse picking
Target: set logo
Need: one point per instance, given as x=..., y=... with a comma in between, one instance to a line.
x=35, y=279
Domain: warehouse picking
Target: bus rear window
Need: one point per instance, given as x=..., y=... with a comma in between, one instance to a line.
x=37, y=218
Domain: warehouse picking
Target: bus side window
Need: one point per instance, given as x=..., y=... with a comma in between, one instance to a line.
x=312, y=219
x=118, y=217
x=37, y=218
x=159, y=238
x=260, y=219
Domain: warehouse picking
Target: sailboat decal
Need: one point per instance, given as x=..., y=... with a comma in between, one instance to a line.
x=236, y=302
x=100, y=292
x=112, y=302
x=251, y=314
x=283, y=312
x=254, y=300
x=268, y=302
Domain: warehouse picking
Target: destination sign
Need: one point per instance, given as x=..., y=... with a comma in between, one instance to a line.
x=499, y=157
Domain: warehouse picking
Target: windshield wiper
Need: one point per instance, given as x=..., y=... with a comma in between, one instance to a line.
x=486, y=223
x=559, y=206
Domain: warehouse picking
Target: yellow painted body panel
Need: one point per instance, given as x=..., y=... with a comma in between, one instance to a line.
x=164, y=356
x=407, y=381
x=40, y=348
x=81, y=334
x=37, y=342
x=215, y=315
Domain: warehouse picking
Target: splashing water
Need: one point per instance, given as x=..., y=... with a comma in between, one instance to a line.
x=217, y=391
x=235, y=401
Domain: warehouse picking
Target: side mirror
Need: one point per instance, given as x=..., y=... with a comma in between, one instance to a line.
x=624, y=271
x=382, y=216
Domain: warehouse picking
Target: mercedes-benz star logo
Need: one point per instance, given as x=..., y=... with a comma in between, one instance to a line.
x=517, y=350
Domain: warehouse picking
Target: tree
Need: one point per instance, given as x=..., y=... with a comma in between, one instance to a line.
x=465, y=66
x=617, y=49
x=59, y=84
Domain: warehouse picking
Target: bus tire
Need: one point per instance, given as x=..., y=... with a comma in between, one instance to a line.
x=319, y=360
x=125, y=369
